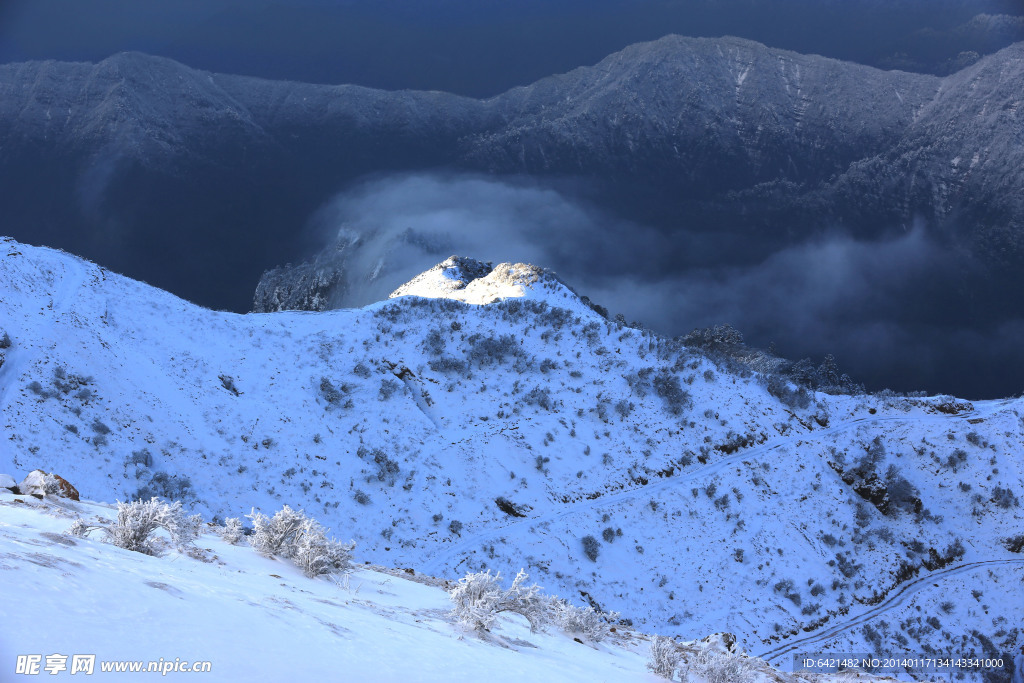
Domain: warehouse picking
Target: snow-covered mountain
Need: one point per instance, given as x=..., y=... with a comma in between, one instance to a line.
x=690, y=133
x=487, y=418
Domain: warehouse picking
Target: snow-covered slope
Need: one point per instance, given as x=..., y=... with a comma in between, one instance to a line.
x=230, y=613
x=617, y=467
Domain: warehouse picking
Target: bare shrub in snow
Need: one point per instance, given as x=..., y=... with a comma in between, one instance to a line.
x=136, y=522
x=487, y=351
x=591, y=547
x=664, y=657
x=232, y=531
x=677, y=399
x=479, y=598
x=1004, y=498
x=540, y=397
x=585, y=621
x=388, y=387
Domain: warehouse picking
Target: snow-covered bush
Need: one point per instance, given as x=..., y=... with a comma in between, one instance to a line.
x=232, y=531
x=315, y=554
x=584, y=621
x=275, y=535
x=291, y=534
x=664, y=657
x=136, y=522
x=479, y=598
x=715, y=666
x=80, y=529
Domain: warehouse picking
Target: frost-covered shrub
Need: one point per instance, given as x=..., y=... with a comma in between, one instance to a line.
x=360, y=370
x=79, y=529
x=291, y=534
x=275, y=535
x=664, y=657
x=66, y=382
x=479, y=598
x=316, y=554
x=137, y=520
x=5, y=341
x=591, y=547
x=717, y=667
x=232, y=531
x=584, y=621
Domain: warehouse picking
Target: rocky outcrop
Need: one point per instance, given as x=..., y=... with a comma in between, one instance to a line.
x=7, y=482
x=42, y=484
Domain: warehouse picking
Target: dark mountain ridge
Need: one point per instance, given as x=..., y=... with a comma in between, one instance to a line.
x=199, y=182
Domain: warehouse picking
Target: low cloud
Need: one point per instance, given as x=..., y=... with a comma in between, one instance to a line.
x=886, y=308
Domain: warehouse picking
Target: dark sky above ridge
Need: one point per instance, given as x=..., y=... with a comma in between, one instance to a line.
x=858, y=305
x=483, y=47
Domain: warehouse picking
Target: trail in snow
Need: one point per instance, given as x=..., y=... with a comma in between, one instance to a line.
x=444, y=558
x=897, y=598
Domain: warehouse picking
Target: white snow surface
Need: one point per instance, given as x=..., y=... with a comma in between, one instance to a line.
x=491, y=424
x=474, y=282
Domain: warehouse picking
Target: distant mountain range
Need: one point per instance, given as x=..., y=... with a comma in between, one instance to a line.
x=139, y=161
